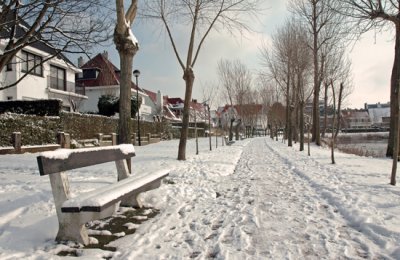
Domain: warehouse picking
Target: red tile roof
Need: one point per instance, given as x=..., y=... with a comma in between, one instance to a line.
x=248, y=108
x=152, y=95
x=109, y=74
x=175, y=101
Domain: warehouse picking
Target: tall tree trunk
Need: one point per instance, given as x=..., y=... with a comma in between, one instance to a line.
x=339, y=114
x=333, y=139
x=301, y=124
x=296, y=114
x=325, y=110
x=315, y=113
x=288, y=128
x=394, y=97
x=394, y=105
x=188, y=77
x=126, y=50
x=231, y=130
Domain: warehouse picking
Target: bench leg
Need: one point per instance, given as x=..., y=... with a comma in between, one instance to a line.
x=72, y=227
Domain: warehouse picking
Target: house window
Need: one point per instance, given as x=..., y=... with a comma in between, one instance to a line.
x=57, y=78
x=90, y=73
x=32, y=62
x=9, y=66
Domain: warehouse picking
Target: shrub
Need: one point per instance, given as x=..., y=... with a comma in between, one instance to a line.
x=42, y=107
x=109, y=105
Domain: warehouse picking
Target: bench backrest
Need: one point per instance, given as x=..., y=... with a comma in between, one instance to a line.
x=66, y=159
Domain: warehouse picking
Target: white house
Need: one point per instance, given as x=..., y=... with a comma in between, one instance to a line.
x=100, y=77
x=53, y=79
x=378, y=112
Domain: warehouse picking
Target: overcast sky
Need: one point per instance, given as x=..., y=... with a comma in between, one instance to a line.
x=372, y=58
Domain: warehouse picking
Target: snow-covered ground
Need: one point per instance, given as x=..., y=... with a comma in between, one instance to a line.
x=256, y=199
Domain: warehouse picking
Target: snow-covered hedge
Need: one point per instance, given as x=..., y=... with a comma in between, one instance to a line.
x=39, y=130
x=43, y=107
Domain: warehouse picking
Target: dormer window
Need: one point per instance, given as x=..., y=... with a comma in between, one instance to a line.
x=91, y=73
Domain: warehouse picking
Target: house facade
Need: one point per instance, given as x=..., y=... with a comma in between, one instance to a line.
x=355, y=119
x=161, y=107
x=45, y=77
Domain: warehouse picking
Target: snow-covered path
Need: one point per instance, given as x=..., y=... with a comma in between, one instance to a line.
x=278, y=203
x=256, y=199
x=294, y=215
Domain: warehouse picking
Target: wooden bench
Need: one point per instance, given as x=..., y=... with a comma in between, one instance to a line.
x=74, y=212
x=227, y=142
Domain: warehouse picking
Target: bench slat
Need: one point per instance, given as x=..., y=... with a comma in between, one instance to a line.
x=103, y=197
x=66, y=159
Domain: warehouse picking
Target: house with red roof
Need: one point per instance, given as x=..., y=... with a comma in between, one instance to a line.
x=99, y=77
x=172, y=108
x=161, y=106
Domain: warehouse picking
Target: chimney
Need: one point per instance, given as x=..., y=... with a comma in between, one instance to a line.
x=80, y=61
x=105, y=54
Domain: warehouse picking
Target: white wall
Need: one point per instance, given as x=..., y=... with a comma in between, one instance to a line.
x=94, y=93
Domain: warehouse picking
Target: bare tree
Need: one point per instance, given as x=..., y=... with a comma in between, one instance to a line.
x=325, y=28
x=202, y=16
x=127, y=46
x=236, y=81
x=69, y=27
x=209, y=94
x=276, y=116
x=336, y=118
x=369, y=14
x=302, y=75
x=286, y=65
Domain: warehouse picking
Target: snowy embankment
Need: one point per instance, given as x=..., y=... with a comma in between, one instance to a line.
x=256, y=199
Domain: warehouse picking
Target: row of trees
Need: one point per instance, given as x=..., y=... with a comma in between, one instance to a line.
x=306, y=54
x=307, y=57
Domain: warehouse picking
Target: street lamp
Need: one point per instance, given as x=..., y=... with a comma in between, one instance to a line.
x=136, y=73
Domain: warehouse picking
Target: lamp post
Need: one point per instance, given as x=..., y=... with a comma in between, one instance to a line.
x=136, y=73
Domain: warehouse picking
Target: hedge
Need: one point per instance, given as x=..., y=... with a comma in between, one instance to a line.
x=43, y=107
x=40, y=130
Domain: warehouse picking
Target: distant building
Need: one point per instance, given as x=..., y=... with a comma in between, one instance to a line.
x=250, y=115
x=379, y=114
x=355, y=119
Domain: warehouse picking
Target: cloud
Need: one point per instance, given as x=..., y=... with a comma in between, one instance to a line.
x=372, y=67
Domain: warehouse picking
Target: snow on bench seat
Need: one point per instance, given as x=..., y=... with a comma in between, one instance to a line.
x=103, y=197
